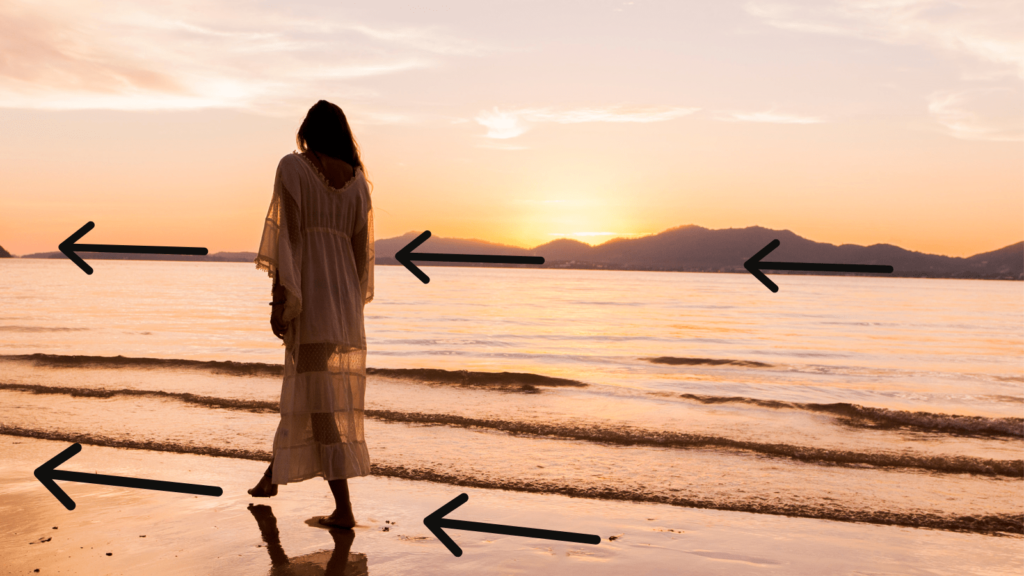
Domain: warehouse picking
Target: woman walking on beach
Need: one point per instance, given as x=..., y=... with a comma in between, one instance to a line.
x=318, y=247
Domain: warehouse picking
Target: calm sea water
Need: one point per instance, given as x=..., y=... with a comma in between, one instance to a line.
x=886, y=400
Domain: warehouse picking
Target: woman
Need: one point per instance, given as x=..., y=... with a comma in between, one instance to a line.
x=318, y=247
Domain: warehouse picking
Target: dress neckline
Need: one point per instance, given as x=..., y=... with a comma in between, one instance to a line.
x=323, y=179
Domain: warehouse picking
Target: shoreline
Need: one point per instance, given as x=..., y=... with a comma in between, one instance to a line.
x=165, y=533
x=993, y=526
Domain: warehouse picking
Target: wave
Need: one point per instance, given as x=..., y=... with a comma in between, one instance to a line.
x=525, y=381
x=674, y=361
x=93, y=440
x=215, y=366
x=885, y=418
x=518, y=381
x=659, y=439
x=257, y=406
x=621, y=436
x=996, y=524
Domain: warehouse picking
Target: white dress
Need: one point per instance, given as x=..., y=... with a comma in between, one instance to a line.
x=318, y=243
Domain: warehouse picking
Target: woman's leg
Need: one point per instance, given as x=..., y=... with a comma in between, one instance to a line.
x=265, y=488
x=342, y=516
x=312, y=358
x=325, y=431
x=315, y=358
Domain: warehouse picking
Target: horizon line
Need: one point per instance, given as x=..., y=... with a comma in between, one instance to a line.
x=630, y=236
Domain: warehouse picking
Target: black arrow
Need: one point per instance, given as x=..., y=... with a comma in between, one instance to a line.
x=754, y=266
x=46, y=474
x=406, y=256
x=68, y=247
x=437, y=521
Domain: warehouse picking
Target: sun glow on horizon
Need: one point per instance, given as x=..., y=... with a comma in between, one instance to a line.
x=598, y=238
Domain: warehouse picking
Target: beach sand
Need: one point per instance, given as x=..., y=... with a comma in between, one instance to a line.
x=129, y=531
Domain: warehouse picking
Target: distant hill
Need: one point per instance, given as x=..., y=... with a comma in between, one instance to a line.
x=4, y=253
x=1003, y=262
x=697, y=249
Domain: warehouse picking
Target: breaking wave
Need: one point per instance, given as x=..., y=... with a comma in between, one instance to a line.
x=885, y=418
x=627, y=436
x=468, y=378
x=215, y=366
x=674, y=361
x=519, y=381
x=258, y=406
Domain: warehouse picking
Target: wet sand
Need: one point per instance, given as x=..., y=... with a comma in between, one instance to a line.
x=125, y=531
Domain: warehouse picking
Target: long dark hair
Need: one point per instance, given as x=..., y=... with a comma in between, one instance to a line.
x=325, y=131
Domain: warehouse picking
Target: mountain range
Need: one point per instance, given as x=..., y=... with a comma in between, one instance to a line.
x=697, y=249
x=686, y=249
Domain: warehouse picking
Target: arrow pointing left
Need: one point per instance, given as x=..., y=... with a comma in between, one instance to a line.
x=69, y=248
x=406, y=255
x=47, y=474
x=755, y=265
x=437, y=522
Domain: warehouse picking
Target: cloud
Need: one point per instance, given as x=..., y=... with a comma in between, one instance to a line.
x=994, y=114
x=117, y=54
x=985, y=37
x=769, y=117
x=511, y=123
x=989, y=32
x=501, y=125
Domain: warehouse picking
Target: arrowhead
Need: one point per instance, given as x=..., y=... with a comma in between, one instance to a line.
x=433, y=522
x=45, y=472
x=405, y=257
x=753, y=265
x=68, y=248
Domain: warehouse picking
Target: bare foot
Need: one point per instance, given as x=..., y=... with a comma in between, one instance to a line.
x=264, y=489
x=339, y=519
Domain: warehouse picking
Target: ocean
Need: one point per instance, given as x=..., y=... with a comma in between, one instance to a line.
x=856, y=399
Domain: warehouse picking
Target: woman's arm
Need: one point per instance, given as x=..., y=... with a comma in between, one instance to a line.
x=359, y=247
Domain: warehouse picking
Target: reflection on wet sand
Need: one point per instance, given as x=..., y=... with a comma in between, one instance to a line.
x=337, y=562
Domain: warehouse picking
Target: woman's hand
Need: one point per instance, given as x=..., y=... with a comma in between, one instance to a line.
x=277, y=323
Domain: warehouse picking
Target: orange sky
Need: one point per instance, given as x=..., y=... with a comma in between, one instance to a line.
x=521, y=122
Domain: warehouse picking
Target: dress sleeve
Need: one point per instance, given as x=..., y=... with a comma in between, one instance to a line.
x=280, y=252
x=362, y=247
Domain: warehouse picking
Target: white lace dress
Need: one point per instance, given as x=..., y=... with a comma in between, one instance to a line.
x=318, y=243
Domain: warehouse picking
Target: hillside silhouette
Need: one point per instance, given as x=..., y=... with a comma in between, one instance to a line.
x=697, y=249
x=4, y=253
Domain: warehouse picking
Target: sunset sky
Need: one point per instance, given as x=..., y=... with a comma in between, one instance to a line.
x=877, y=121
